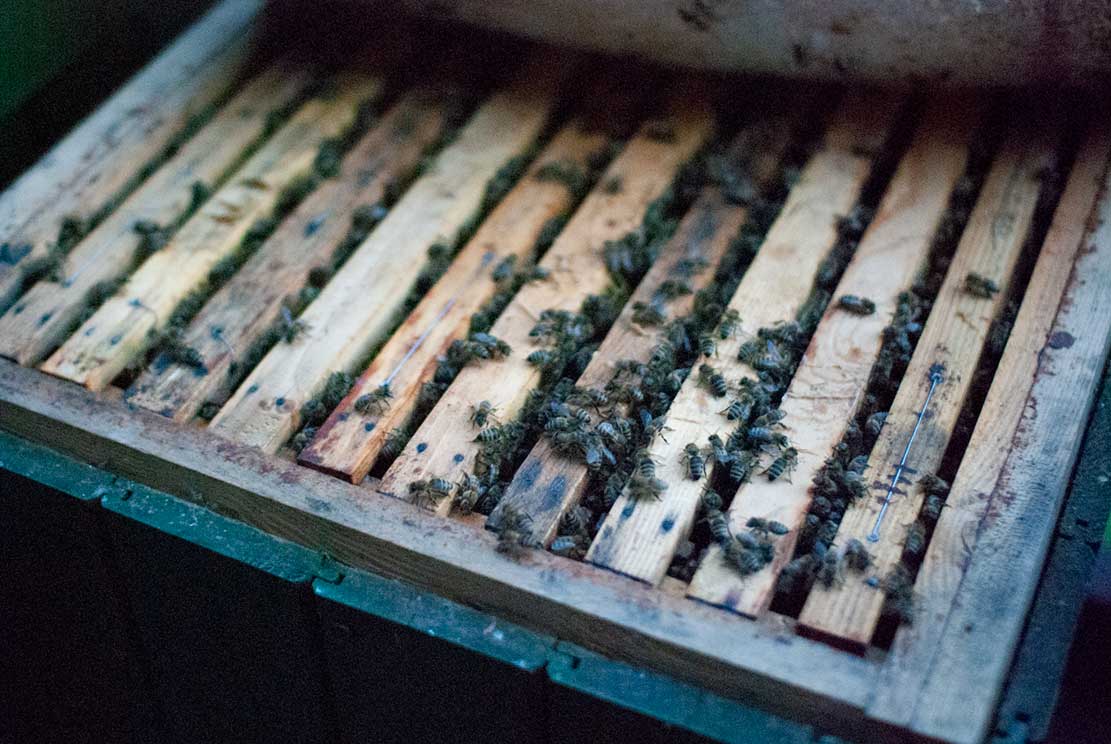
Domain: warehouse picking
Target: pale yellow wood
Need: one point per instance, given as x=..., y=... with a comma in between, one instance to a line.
x=40, y=320
x=993, y=601
x=443, y=446
x=344, y=446
x=94, y=163
x=910, y=660
x=726, y=654
x=546, y=484
x=250, y=303
x=633, y=539
x=355, y=310
x=120, y=330
x=833, y=374
x=953, y=337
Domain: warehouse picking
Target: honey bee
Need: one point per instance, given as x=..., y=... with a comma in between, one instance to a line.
x=856, y=305
x=730, y=319
x=978, y=285
x=469, y=492
x=717, y=447
x=855, y=556
x=712, y=380
x=644, y=487
x=706, y=345
x=874, y=424
x=481, y=413
x=785, y=463
x=931, y=509
x=542, y=358
x=648, y=314
x=489, y=435
x=395, y=442
x=738, y=410
x=428, y=493
x=766, y=527
x=915, y=540
x=826, y=572
x=289, y=328
x=696, y=465
x=719, y=527
x=513, y=530
x=375, y=401
x=741, y=468
x=933, y=485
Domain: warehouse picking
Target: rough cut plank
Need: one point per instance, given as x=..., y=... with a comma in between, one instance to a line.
x=547, y=485
x=994, y=597
x=348, y=442
x=729, y=655
x=638, y=537
x=120, y=330
x=90, y=167
x=834, y=372
x=355, y=310
x=950, y=552
x=43, y=316
x=443, y=446
x=953, y=337
x=250, y=303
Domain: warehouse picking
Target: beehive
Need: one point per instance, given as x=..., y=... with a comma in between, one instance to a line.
x=212, y=284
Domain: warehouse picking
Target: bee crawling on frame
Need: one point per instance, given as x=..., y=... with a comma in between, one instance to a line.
x=978, y=285
x=481, y=414
x=375, y=401
x=513, y=529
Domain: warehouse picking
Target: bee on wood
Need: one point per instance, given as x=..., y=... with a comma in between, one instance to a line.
x=481, y=413
x=513, y=530
x=710, y=500
x=766, y=527
x=746, y=560
x=738, y=410
x=855, y=556
x=719, y=453
x=933, y=485
x=395, y=442
x=706, y=345
x=898, y=589
x=613, y=488
x=978, y=285
x=574, y=521
x=916, y=539
x=770, y=418
x=671, y=288
x=826, y=572
x=645, y=465
x=504, y=269
x=874, y=423
x=289, y=328
x=856, y=305
x=375, y=401
x=741, y=468
x=719, y=527
x=643, y=487
x=696, y=465
x=712, y=380
x=931, y=509
x=784, y=463
x=796, y=575
x=858, y=464
x=648, y=314
x=542, y=358
x=428, y=493
x=730, y=319
x=469, y=492
x=489, y=435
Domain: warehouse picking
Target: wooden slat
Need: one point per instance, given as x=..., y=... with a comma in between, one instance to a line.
x=953, y=337
x=444, y=444
x=833, y=374
x=42, y=317
x=639, y=536
x=354, y=311
x=119, y=331
x=728, y=655
x=993, y=601
x=348, y=442
x=547, y=485
x=90, y=167
x=248, y=305
x=907, y=667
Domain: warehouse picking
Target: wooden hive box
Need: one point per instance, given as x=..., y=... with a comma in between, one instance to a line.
x=774, y=388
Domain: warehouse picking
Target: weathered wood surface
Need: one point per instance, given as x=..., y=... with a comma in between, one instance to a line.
x=40, y=320
x=90, y=167
x=243, y=310
x=355, y=310
x=639, y=536
x=444, y=444
x=348, y=442
x=833, y=374
x=953, y=337
x=546, y=484
x=977, y=505
x=120, y=330
x=729, y=655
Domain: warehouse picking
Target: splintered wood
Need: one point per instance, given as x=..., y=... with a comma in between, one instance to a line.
x=833, y=374
x=547, y=484
x=950, y=345
x=91, y=167
x=235, y=237
x=124, y=326
x=444, y=446
x=640, y=535
x=355, y=309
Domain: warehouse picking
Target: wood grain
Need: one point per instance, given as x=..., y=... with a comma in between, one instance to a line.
x=250, y=303
x=1062, y=260
x=953, y=337
x=833, y=374
x=354, y=311
x=639, y=536
x=90, y=167
x=546, y=484
x=348, y=442
x=443, y=446
x=36, y=324
x=119, y=332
